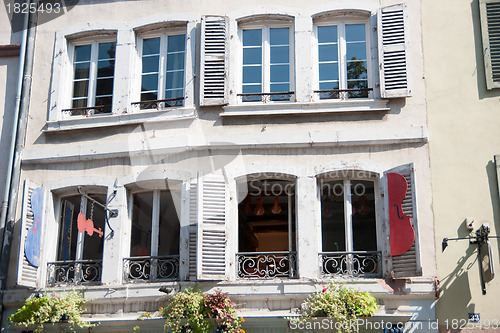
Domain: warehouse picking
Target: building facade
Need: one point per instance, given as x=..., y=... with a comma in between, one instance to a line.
x=257, y=149
x=462, y=103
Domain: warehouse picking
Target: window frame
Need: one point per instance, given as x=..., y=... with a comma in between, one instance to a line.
x=94, y=57
x=163, y=34
x=265, y=26
x=343, y=82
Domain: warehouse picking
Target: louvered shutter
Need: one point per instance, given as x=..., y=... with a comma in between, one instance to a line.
x=408, y=263
x=393, y=51
x=211, y=263
x=214, y=31
x=30, y=243
x=490, y=28
x=193, y=226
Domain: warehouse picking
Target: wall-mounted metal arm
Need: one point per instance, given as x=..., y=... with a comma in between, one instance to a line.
x=112, y=212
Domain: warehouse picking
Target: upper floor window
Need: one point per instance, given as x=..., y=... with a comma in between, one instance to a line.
x=349, y=227
x=93, y=76
x=342, y=60
x=163, y=70
x=154, y=245
x=267, y=64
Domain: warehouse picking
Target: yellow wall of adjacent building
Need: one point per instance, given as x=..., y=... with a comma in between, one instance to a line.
x=464, y=123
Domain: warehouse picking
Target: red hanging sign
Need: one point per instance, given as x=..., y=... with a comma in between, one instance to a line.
x=87, y=225
x=401, y=230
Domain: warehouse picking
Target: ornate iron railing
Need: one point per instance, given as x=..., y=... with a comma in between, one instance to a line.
x=151, y=269
x=367, y=264
x=74, y=272
x=88, y=111
x=267, y=265
x=160, y=103
x=266, y=97
x=343, y=93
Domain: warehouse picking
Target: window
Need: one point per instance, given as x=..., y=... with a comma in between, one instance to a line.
x=93, y=76
x=162, y=77
x=80, y=247
x=266, y=229
x=342, y=60
x=490, y=10
x=348, y=227
x=267, y=63
x=154, y=245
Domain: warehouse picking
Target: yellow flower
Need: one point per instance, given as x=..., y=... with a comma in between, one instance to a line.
x=242, y=330
x=243, y=320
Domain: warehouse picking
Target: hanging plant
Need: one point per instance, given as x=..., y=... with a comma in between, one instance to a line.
x=340, y=303
x=192, y=311
x=42, y=309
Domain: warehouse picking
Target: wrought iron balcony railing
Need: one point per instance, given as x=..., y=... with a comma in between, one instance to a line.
x=74, y=272
x=89, y=111
x=266, y=97
x=267, y=265
x=151, y=269
x=364, y=264
x=160, y=103
x=343, y=93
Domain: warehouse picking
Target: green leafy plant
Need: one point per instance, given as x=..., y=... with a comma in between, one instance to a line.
x=340, y=303
x=41, y=309
x=193, y=311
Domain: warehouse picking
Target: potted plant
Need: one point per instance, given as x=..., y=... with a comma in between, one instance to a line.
x=339, y=303
x=43, y=308
x=193, y=311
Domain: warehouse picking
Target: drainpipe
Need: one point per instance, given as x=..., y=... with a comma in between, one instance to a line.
x=12, y=179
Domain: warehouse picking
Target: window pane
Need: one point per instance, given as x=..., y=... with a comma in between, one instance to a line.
x=80, y=88
x=149, y=96
x=142, y=213
x=169, y=227
x=176, y=43
x=175, y=80
x=252, y=74
x=105, y=68
x=356, y=51
x=105, y=100
x=280, y=88
x=328, y=71
x=355, y=33
x=252, y=37
x=252, y=89
x=332, y=216
x=150, y=64
x=79, y=103
x=68, y=232
x=93, y=245
x=252, y=56
x=106, y=50
x=328, y=52
x=176, y=93
x=82, y=53
x=151, y=46
x=82, y=70
x=363, y=216
x=279, y=36
x=327, y=34
x=280, y=54
x=358, y=85
x=356, y=70
x=104, y=87
x=149, y=82
x=175, y=61
x=280, y=73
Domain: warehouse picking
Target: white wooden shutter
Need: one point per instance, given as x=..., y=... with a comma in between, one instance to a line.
x=192, y=229
x=408, y=263
x=393, y=51
x=27, y=274
x=213, y=72
x=211, y=263
x=490, y=29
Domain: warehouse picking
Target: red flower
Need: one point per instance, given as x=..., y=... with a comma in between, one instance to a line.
x=325, y=289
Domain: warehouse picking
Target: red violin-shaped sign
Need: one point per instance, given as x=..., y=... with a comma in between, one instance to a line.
x=87, y=225
x=401, y=229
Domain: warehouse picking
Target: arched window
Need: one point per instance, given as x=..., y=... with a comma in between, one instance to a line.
x=266, y=229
